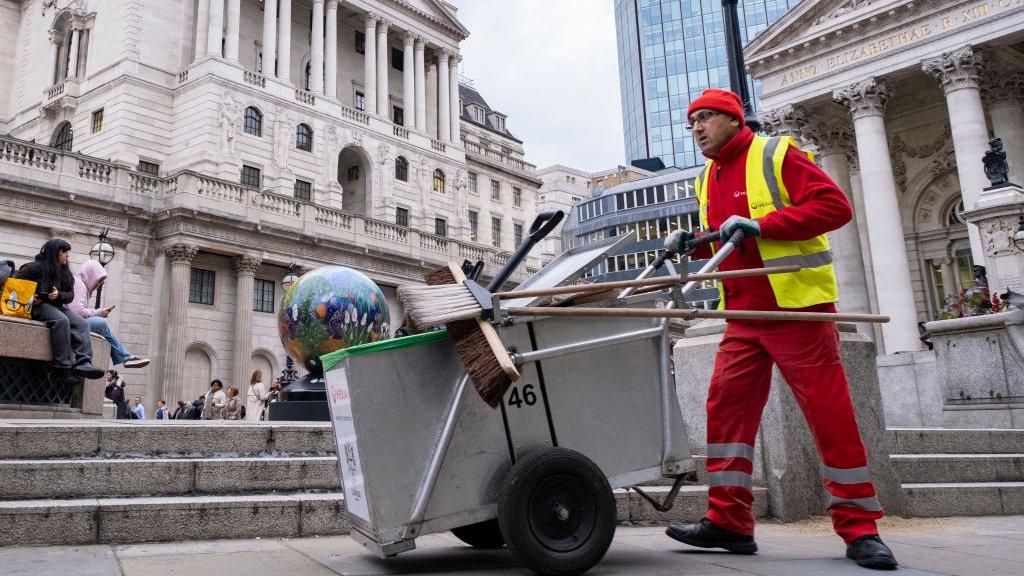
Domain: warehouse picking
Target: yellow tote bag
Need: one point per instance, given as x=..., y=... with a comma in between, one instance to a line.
x=16, y=298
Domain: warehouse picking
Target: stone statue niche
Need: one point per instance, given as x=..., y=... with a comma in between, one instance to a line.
x=996, y=168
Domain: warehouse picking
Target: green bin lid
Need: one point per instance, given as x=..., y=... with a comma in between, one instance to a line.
x=329, y=361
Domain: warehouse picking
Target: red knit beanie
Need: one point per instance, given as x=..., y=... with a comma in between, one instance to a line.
x=723, y=101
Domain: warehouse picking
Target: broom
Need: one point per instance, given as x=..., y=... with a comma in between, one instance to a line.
x=476, y=342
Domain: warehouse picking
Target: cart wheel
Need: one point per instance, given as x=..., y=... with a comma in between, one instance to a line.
x=485, y=535
x=557, y=512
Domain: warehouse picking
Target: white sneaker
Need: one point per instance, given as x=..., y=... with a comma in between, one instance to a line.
x=136, y=362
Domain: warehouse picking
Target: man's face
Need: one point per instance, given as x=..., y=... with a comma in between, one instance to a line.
x=712, y=129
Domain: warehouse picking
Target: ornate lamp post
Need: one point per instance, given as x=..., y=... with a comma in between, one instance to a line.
x=103, y=253
x=734, y=54
x=289, y=374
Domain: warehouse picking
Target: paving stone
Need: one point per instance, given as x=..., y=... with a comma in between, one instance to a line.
x=249, y=563
x=931, y=500
x=322, y=514
x=59, y=561
x=48, y=522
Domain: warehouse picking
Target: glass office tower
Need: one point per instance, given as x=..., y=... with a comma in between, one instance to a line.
x=669, y=52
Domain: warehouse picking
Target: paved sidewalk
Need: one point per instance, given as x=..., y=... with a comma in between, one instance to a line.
x=948, y=546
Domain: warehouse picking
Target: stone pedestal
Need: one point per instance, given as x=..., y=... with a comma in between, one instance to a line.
x=996, y=214
x=910, y=388
x=785, y=459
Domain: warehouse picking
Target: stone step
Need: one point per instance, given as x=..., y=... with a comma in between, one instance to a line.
x=963, y=499
x=914, y=468
x=954, y=441
x=155, y=519
x=104, y=477
x=37, y=439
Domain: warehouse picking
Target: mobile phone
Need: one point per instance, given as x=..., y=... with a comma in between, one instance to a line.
x=111, y=307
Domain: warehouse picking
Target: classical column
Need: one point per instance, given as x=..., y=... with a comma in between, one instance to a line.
x=269, y=36
x=331, y=51
x=421, y=86
x=76, y=36
x=181, y=256
x=284, y=40
x=316, y=49
x=950, y=284
x=866, y=100
x=959, y=72
x=444, y=106
x=216, y=34
x=370, y=64
x=383, y=65
x=409, y=81
x=202, y=27
x=453, y=96
x=245, y=269
x=234, y=17
x=1003, y=92
x=832, y=139
x=51, y=69
x=786, y=120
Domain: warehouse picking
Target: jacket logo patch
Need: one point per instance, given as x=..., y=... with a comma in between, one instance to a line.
x=739, y=193
x=759, y=205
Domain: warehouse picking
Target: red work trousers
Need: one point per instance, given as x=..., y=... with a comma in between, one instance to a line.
x=807, y=354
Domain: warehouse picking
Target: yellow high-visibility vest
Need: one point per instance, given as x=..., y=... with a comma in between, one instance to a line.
x=815, y=283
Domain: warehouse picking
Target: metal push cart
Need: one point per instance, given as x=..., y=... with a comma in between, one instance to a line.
x=595, y=409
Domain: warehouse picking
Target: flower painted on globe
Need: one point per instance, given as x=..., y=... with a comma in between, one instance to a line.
x=328, y=309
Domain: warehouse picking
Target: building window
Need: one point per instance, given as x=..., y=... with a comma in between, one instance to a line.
x=517, y=197
x=259, y=58
x=439, y=181
x=472, y=182
x=401, y=169
x=353, y=173
x=517, y=232
x=307, y=77
x=97, y=120
x=476, y=113
x=496, y=231
x=360, y=42
x=495, y=190
x=304, y=138
x=398, y=59
x=360, y=101
x=263, y=295
x=63, y=138
x=151, y=168
x=250, y=176
x=402, y=216
x=253, y=121
x=303, y=190
x=397, y=115
x=440, y=227
x=474, y=217
x=200, y=286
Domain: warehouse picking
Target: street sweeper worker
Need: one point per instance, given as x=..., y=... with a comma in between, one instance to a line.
x=785, y=204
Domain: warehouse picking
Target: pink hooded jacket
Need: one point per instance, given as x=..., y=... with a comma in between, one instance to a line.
x=85, y=282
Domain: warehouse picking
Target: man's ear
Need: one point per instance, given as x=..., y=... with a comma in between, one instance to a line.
x=736, y=122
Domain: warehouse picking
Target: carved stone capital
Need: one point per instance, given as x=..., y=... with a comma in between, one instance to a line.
x=1001, y=87
x=383, y=24
x=182, y=253
x=410, y=38
x=332, y=4
x=787, y=120
x=864, y=98
x=246, y=265
x=371, y=19
x=829, y=136
x=957, y=69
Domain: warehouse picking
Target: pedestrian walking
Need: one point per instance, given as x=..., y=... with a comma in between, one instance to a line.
x=785, y=204
x=256, y=398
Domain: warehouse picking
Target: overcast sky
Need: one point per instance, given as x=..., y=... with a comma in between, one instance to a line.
x=551, y=66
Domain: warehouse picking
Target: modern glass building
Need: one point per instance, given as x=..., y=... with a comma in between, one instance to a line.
x=669, y=52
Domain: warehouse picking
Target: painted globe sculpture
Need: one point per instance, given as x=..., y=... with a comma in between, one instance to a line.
x=328, y=309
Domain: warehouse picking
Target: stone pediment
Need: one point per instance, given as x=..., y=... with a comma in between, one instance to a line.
x=810, y=18
x=433, y=11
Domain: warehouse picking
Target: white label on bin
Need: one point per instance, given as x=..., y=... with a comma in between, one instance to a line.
x=348, y=450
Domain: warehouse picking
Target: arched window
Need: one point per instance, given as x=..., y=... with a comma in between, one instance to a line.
x=253, y=121
x=304, y=138
x=63, y=137
x=353, y=173
x=956, y=215
x=306, y=78
x=401, y=169
x=439, y=181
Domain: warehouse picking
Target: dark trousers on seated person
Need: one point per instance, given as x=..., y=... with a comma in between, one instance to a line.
x=68, y=332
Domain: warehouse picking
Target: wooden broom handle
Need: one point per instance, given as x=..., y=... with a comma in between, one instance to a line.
x=696, y=313
x=661, y=281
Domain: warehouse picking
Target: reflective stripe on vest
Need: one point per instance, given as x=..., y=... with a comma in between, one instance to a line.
x=766, y=193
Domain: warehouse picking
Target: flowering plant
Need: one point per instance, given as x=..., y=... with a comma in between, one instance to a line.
x=973, y=302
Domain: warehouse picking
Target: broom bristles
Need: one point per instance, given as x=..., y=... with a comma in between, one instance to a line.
x=430, y=306
x=485, y=372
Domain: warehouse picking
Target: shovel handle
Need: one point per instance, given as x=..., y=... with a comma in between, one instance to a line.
x=691, y=313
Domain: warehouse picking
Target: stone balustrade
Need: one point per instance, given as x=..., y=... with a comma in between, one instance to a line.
x=116, y=184
x=505, y=159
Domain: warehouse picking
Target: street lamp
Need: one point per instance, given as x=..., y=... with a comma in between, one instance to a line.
x=293, y=275
x=734, y=54
x=103, y=253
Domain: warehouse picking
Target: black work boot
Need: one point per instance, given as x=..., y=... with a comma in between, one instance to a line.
x=870, y=552
x=707, y=534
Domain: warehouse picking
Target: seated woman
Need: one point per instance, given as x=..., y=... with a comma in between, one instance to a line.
x=89, y=278
x=55, y=287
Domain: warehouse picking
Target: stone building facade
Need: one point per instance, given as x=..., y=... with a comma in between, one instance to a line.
x=222, y=141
